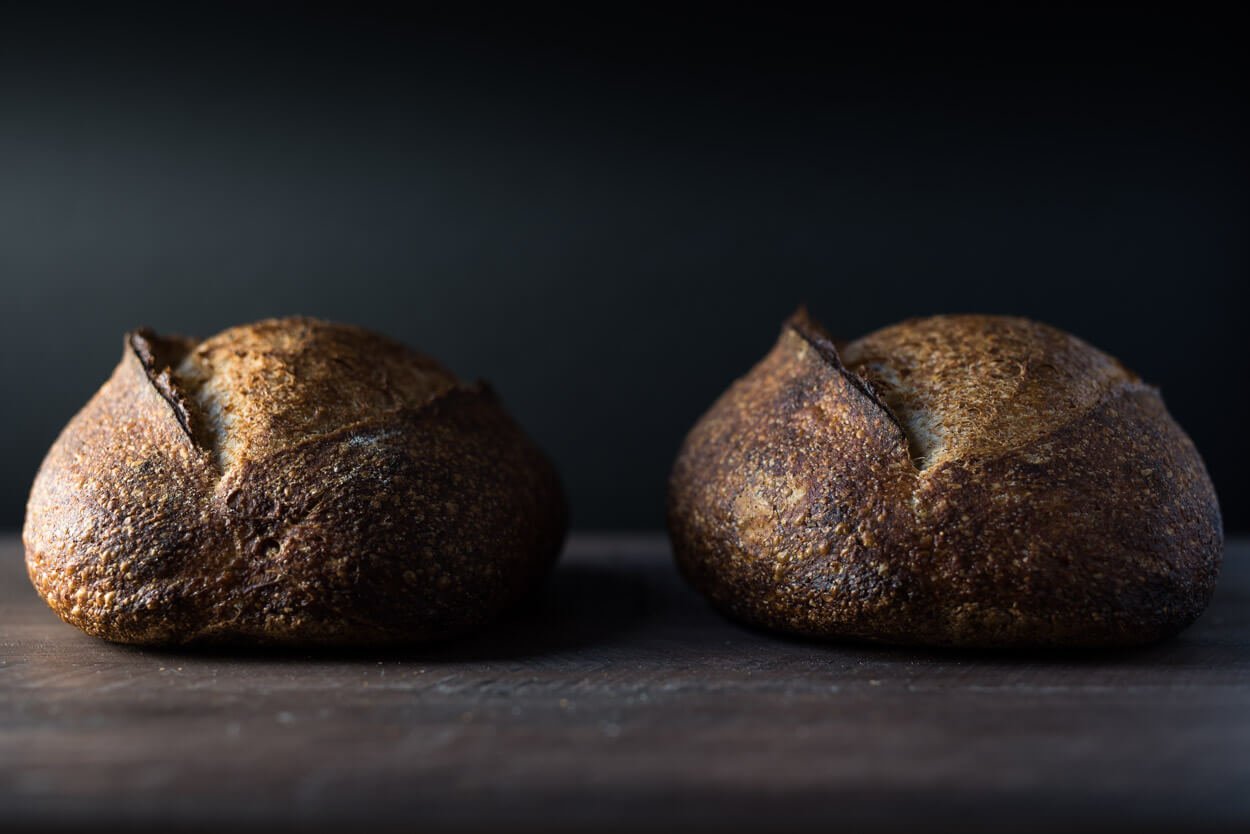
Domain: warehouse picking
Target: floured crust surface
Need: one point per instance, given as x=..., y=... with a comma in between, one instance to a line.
x=291, y=482
x=963, y=481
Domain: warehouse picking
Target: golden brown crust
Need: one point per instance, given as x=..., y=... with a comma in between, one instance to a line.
x=290, y=482
x=964, y=481
x=260, y=387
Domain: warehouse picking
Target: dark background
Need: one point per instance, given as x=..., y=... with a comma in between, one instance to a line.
x=609, y=218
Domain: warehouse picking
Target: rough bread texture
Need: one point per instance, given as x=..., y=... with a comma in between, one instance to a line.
x=290, y=482
x=974, y=481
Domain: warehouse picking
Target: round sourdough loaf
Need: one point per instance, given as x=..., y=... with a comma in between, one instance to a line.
x=956, y=481
x=290, y=482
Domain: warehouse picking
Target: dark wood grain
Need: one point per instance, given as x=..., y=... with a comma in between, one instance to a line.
x=620, y=701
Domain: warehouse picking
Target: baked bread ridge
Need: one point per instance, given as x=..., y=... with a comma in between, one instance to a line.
x=803, y=501
x=342, y=490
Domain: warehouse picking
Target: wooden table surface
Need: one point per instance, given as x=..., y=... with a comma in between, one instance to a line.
x=617, y=701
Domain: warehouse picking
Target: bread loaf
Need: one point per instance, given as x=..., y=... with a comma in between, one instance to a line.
x=952, y=481
x=289, y=482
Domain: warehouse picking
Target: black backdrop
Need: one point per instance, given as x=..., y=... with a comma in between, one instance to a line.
x=609, y=218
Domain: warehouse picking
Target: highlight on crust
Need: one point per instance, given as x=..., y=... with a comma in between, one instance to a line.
x=955, y=480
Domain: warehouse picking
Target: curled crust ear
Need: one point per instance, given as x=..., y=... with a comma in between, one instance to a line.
x=802, y=325
x=155, y=357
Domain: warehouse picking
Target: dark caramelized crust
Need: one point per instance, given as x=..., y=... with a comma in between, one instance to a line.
x=289, y=482
x=959, y=480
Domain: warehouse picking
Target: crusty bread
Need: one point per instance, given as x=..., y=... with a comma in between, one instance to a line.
x=959, y=480
x=290, y=482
